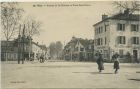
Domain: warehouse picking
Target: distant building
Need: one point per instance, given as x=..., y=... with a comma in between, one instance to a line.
x=13, y=50
x=79, y=49
x=118, y=33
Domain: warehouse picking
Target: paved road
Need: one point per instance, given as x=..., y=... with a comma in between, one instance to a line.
x=68, y=75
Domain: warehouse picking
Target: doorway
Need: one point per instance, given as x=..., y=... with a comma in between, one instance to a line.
x=135, y=55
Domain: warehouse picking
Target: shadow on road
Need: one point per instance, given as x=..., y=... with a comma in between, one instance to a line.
x=134, y=79
x=93, y=72
x=137, y=71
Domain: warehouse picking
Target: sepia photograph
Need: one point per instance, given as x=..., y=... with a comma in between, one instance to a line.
x=70, y=44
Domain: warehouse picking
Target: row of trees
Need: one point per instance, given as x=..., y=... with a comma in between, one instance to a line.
x=56, y=49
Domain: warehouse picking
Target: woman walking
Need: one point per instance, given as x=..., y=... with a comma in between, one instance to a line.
x=116, y=63
x=100, y=62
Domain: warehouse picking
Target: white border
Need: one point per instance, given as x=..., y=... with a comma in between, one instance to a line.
x=57, y=0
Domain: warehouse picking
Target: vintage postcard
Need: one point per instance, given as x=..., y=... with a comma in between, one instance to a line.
x=70, y=45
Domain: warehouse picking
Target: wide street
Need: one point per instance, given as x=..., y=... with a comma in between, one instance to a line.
x=68, y=75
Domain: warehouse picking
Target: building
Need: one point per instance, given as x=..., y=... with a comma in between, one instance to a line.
x=16, y=49
x=8, y=51
x=79, y=49
x=119, y=33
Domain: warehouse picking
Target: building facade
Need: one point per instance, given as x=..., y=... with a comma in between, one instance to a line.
x=29, y=50
x=79, y=49
x=119, y=33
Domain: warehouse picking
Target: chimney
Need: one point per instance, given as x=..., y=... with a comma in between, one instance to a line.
x=126, y=12
x=73, y=38
x=104, y=16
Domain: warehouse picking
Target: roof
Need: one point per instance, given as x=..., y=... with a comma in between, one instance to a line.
x=84, y=42
x=130, y=17
x=10, y=43
x=43, y=47
x=122, y=16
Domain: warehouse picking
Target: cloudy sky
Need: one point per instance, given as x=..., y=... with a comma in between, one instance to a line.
x=61, y=21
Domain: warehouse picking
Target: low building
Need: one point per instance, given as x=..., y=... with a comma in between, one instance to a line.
x=22, y=47
x=79, y=49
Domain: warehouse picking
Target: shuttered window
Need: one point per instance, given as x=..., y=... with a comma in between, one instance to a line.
x=135, y=40
x=134, y=27
x=121, y=27
x=121, y=40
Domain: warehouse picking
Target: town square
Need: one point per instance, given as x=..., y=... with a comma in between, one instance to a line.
x=68, y=75
x=70, y=45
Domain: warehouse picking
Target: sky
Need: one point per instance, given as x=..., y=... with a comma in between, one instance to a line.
x=62, y=20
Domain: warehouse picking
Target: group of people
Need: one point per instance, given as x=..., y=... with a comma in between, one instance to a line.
x=100, y=61
x=41, y=58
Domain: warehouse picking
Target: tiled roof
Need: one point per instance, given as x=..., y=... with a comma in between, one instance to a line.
x=123, y=16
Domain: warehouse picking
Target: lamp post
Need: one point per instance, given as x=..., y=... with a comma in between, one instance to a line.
x=21, y=46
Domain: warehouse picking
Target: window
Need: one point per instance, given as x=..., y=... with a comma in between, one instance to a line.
x=105, y=40
x=121, y=27
x=98, y=41
x=106, y=27
x=134, y=27
x=81, y=49
x=135, y=40
x=101, y=41
x=89, y=46
x=76, y=49
x=95, y=41
x=121, y=40
x=101, y=29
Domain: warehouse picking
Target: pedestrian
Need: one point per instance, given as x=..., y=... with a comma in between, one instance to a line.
x=116, y=63
x=100, y=62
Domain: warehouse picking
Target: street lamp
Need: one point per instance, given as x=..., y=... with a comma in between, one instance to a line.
x=21, y=46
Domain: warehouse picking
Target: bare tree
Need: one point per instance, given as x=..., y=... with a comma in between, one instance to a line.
x=32, y=26
x=132, y=6
x=11, y=15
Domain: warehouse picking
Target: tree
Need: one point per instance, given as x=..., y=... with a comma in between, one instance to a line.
x=52, y=49
x=11, y=15
x=32, y=26
x=56, y=49
x=59, y=49
x=132, y=6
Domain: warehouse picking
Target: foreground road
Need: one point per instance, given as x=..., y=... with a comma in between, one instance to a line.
x=68, y=75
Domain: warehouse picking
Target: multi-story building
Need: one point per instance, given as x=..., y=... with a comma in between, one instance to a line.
x=79, y=49
x=119, y=33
